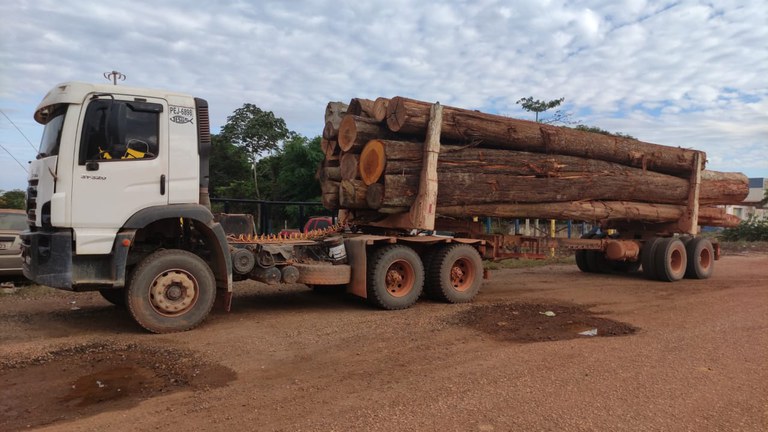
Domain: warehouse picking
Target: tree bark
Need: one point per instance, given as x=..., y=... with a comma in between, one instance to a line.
x=500, y=169
x=330, y=197
x=361, y=107
x=330, y=131
x=422, y=214
x=410, y=117
x=334, y=112
x=591, y=211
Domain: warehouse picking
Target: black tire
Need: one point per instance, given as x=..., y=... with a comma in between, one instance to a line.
x=647, y=257
x=670, y=260
x=455, y=274
x=395, y=277
x=624, y=266
x=701, y=258
x=581, y=261
x=596, y=262
x=171, y=291
x=116, y=296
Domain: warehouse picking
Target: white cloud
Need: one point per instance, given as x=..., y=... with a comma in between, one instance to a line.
x=685, y=72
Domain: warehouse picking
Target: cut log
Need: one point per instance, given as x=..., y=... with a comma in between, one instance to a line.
x=330, y=131
x=349, y=166
x=334, y=112
x=326, y=173
x=591, y=211
x=356, y=131
x=361, y=107
x=329, y=147
x=380, y=109
x=386, y=157
x=472, y=127
x=485, y=188
x=352, y=194
x=330, y=197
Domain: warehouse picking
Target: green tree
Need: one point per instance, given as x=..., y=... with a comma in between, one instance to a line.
x=13, y=199
x=257, y=131
x=539, y=106
x=230, y=170
x=298, y=164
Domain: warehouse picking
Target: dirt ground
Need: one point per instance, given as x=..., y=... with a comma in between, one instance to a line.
x=545, y=348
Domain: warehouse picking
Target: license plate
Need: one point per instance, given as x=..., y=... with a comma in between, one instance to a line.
x=5, y=245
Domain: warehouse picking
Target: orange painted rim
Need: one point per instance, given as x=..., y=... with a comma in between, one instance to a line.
x=400, y=278
x=462, y=274
x=705, y=258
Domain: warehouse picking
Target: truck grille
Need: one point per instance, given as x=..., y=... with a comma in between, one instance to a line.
x=32, y=203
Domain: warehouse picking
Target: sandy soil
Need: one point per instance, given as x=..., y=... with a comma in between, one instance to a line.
x=685, y=356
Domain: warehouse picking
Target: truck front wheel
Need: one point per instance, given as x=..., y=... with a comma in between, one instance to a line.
x=170, y=291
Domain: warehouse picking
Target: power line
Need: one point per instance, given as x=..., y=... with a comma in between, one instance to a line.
x=14, y=158
x=22, y=133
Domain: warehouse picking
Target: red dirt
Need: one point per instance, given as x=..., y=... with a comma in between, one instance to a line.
x=689, y=355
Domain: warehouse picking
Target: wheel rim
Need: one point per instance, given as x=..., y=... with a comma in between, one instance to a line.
x=173, y=292
x=462, y=274
x=400, y=278
x=676, y=262
x=705, y=259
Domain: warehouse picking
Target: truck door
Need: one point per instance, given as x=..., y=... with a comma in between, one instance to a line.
x=121, y=161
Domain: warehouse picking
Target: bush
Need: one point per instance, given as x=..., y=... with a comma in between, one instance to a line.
x=752, y=229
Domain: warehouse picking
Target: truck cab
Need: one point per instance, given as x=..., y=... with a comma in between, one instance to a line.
x=121, y=174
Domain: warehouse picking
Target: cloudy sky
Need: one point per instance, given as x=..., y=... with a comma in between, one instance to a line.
x=681, y=73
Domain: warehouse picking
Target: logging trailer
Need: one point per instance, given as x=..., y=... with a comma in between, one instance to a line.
x=118, y=202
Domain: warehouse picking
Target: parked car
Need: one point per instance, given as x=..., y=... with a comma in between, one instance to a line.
x=12, y=223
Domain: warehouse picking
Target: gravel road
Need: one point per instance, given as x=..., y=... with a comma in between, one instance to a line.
x=651, y=356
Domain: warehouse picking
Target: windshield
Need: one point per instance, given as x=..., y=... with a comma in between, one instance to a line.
x=49, y=144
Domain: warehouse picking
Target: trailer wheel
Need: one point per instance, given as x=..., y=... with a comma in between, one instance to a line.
x=170, y=291
x=395, y=277
x=670, y=260
x=701, y=258
x=647, y=257
x=455, y=274
x=624, y=266
x=581, y=257
x=116, y=296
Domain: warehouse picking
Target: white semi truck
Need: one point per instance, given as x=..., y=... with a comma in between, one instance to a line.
x=118, y=202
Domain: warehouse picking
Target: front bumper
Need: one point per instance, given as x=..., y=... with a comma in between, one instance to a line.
x=47, y=257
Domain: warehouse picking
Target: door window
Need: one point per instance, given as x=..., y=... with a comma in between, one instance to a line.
x=120, y=130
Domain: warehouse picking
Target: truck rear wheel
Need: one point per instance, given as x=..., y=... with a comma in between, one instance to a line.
x=701, y=258
x=670, y=260
x=395, y=277
x=648, y=257
x=170, y=291
x=455, y=274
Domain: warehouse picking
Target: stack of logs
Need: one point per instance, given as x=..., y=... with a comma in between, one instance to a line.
x=491, y=165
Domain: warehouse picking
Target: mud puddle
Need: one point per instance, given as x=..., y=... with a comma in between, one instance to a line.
x=88, y=379
x=540, y=322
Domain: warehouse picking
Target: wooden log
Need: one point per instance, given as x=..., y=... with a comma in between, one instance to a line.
x=330, y=194
x=326, y=173
x=422, y=214
x=410, y=117
x=352, y=194
x=387, y=157
x=486, y=188
x=330, y=131
x=356, y=131
x=591, y=211
x=334, y=112
x=329, y=147
x=380, y=109
x=349, y=166
x=361, y=107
